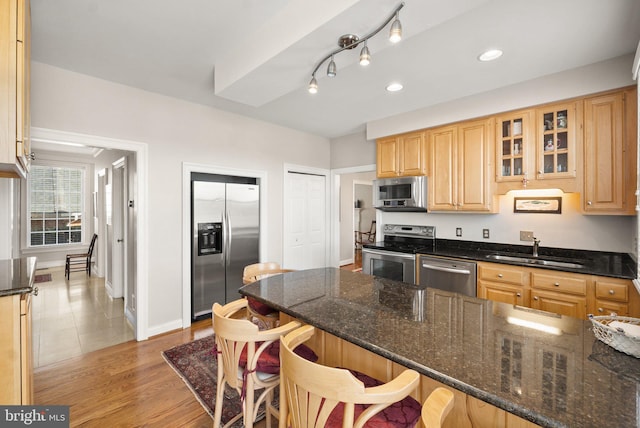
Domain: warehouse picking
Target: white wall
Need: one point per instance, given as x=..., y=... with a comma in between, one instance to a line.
x=352, y=150
x=176, y=132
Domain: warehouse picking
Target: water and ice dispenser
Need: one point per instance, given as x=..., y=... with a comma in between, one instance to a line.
x=209, y=238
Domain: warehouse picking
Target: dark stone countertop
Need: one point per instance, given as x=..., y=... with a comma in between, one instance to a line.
x=602, y=263
x=562, y=378
x=16, y=276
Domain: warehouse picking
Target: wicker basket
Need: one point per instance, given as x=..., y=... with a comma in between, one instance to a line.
x=615, y=338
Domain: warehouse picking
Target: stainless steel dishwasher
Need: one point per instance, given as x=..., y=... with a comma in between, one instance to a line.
x=448, y=274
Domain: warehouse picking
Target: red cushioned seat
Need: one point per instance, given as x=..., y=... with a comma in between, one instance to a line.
x=404, y=413
x=269, y=360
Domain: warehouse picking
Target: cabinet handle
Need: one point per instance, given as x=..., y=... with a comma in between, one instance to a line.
x=499, y=275
x=600, y=310
x=540, y=172
x=612, y=292
x=535, y=298
x=589, y=203
x=557, y=284
x=518, y=294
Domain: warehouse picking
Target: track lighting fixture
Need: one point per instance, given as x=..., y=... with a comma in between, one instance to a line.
x=331, y=69
x=365, y=56
x=351, y=41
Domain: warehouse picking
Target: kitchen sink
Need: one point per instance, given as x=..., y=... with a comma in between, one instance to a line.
x=535, y=261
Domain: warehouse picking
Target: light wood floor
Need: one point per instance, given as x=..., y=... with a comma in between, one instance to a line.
x=126, y=385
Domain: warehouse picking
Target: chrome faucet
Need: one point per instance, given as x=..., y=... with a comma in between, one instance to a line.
x=536, y=244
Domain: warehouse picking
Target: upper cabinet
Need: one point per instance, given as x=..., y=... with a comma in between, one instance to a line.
x=556, y=141
x=15, y=50
x=514, y=146
x=610, y=153
x=461, y=158
x=402, y=155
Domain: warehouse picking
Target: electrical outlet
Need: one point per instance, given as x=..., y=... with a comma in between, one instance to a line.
x=458, y=231
x=526, y=235
x=485, y=233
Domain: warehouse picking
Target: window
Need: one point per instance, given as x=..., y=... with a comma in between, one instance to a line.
x=56, y=205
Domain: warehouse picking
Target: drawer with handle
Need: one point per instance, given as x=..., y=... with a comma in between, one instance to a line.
x=563, y=284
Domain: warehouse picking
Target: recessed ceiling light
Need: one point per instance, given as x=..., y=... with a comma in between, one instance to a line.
x=394, y=87
x=490, y=55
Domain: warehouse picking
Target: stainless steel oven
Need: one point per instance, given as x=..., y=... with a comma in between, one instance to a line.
x=389, y=264
x=395, y=256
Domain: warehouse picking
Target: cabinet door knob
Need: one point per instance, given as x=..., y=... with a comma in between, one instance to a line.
x=499, y=275
x=535, y=298
x=589, y=203
x=557, y=284
x=600, y=310
x=612, y=292
x=518, y=294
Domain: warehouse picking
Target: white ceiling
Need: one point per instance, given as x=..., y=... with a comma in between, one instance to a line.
x=263, y=52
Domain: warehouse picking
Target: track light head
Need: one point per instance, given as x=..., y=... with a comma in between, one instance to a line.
x=395, y=33
x=331, y=69
x=365, y=56
x=313, y=85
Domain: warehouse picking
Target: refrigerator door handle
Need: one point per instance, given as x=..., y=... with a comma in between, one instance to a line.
x=228, y=249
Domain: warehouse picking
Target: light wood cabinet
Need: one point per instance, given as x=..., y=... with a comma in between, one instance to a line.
x=556, y=152
x=610, y=148
x=563, y=293
x=402, y=155
x=503, y=283
x=515, y=147
x=461, y=158
x=15, y=52
x=16, y=356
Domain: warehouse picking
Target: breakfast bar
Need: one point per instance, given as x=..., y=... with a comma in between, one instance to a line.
x=507, y=365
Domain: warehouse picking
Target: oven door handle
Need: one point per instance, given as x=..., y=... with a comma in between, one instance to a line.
x=445, y=269
x=389, y=253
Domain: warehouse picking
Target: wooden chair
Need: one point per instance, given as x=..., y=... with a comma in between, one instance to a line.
x=247, y=361
x=314, y=396
x=81, y=261
x=366, y=237
x=262, y=315
x=436, y=407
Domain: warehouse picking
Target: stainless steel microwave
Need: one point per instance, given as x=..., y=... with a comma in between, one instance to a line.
x=400, y=194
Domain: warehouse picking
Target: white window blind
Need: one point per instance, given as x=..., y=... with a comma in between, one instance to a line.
x=55, y=205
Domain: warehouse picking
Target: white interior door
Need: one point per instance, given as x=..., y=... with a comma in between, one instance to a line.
x=305, y=221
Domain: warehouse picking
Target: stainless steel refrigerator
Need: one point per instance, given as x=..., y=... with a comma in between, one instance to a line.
x=225, y=238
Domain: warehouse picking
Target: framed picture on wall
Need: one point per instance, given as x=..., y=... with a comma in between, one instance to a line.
x=540, y=205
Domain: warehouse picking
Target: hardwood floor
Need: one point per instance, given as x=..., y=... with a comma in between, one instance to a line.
x=127, y=385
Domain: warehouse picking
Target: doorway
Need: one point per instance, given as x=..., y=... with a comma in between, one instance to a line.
x=139, y=221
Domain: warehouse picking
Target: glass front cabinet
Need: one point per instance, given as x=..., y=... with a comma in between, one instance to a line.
x=514, y=146
x=556, y=141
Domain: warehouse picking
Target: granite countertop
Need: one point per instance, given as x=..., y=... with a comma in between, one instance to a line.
x=602, y=263
x=561, y=378
x=16, y=276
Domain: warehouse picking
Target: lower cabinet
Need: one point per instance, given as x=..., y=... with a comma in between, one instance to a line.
x=563, y=293
x=16, y=355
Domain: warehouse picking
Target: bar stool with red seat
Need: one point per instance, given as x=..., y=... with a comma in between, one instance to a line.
x=248, y=360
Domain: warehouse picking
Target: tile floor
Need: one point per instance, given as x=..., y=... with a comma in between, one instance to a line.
x=75, y=317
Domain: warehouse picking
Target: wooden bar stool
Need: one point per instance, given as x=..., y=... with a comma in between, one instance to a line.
x=248, y=361
x=313, y=395
x=265, y=316
x=436, y=407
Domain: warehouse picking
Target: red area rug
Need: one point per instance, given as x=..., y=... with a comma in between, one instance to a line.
x=45, y=277
x=196, y=365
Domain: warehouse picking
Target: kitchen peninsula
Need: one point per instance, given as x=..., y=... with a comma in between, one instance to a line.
x=507, y=365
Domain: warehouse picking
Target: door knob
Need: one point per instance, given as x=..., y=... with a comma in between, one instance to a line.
x=119, y=240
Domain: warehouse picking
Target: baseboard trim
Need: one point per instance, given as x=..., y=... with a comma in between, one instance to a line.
x=164, y=328
x=346, y=262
